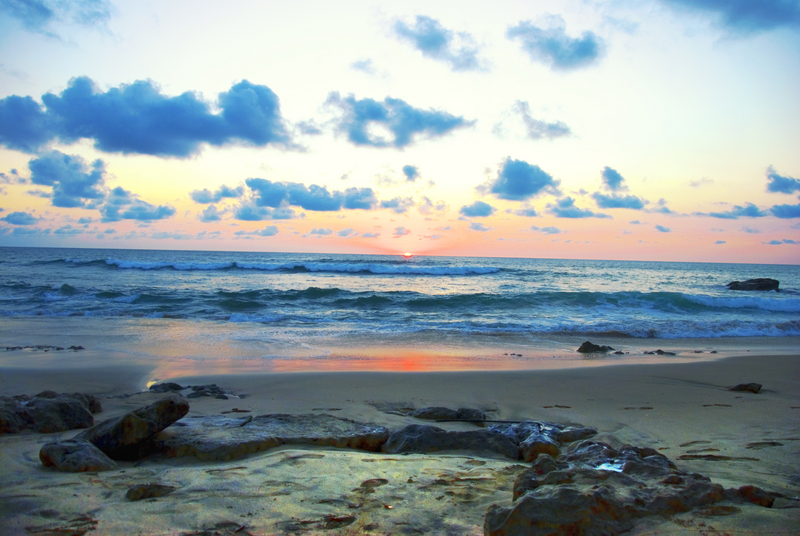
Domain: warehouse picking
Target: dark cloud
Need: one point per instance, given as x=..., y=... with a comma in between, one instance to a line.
x=359, y=198
x=478, y=209
x=314, y=197
x=74, y=183
x=38, y=15
x=437, y=42
x=403, y=120
x=411, y=173
x=747, y=16
x=122, y=204
x=398, y=205
x=20, y=218
x=784, y=185
x=552, y=46
x=618, y=201
x=612, y=180
x=663, y=229
x=786, y=211
x=747, y=211
x=252, y=212
x=137, y=118
x=565, y=208
x=223, y=192
x=537, y=129
x=518, y=180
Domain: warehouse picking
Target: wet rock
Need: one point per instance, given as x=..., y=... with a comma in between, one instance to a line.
x=75, y=456
x=138, y=492
x=752, y=387
x=166, y=387
x=435, y=413
x=210, y=390
x=470, y=414
x=761, y=283
x=569, y=435
x=535, y=444
x=47, y=412
x=11, y=420
x=591, y=348
x=221, y=438
x=754, y=495
x=659, y=352
x=425, y=439
x=120, y=438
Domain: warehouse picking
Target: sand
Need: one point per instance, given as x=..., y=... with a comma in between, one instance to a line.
x=679, y=408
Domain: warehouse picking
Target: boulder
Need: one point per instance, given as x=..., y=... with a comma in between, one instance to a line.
x=120, y=438
x=75, y=456
x=166, y=387
x=47, y=412
x=591, y=348
x=535, y=444
x=470, y=414
x=761, y=283
x=221, y=438
x=11, y=420
x=425, y=439
x=751, y=387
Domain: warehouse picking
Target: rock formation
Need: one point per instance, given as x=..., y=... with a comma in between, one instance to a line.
x=761, y=283
x=47, y=412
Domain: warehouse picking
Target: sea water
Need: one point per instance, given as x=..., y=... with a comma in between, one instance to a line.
x=338, y=295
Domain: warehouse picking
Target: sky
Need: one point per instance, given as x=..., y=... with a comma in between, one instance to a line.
x=622, y=129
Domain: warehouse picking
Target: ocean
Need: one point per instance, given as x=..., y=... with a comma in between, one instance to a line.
x=301, y=295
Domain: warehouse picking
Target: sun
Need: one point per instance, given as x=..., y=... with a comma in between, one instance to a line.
x=407, y=255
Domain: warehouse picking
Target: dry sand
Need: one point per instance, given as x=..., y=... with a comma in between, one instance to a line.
x=680, y=409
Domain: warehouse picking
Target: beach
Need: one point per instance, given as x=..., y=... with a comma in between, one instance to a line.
x=681, y=409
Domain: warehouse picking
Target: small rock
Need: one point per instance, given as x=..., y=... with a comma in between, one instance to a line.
x=165, y=387
x=75, y=456
x=591, y=348
x=762, y=283
x=147, y=491
x=536, y=444
x=752, y=387
x=756, y=496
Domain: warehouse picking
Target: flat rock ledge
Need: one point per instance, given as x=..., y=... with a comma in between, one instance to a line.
x=220, y=438
x=595, y=489
x=47, y=412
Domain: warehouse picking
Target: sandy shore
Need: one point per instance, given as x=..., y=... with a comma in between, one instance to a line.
x=680, y=409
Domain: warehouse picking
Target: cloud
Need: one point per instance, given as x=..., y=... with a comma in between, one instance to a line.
x=370, y=235
x=73, y=182
x=663, y=229
x=700, y=182
x=478, y=209
x=223, y=192
x=365, y=66
x=321, y=232
x=251, y=212
x=662, y=207
x=552, y=46
x=427, y=207
x=121, y=204
x=618, y=201
x=210, y=214
x=136, y=118
x=749, y=230
x=565, y=208
x=344, y=233
x=308, y=128
x=269, y=230
x=518, y=180
x=403, y=120
x=437, y=42
x=478, y=226
x=411, y=173
x=718, y=242
x=547, y=230
x=314, y=197
x=432, y=237
x=68, y=230
x=537, y=129
x=612, y=180
x=747, y=16
x=20, y=218
x=747, y=211
x=786, y=211
x=398, y=205
x=401, y=231
x=776, y=242
x=784, y=185
x=38, y=15
x=528, y=212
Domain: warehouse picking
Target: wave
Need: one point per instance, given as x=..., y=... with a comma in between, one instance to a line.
x=392, y=268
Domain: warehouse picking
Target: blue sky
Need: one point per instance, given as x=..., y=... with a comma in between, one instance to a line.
x=627, y=129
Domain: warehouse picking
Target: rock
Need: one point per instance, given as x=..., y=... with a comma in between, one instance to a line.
x=120, y=438
x=166, y=387
x=659, y=352
x=75, y=456
x=590, y=348
x=568, y=435
x=425, y=439
x=762, y=283
x=47, y=412
x=754, y=495
x=435, y=414
x=221, y=438
x=752, y=387
x=470, y=414
x=138, y=492
x=535, y=444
